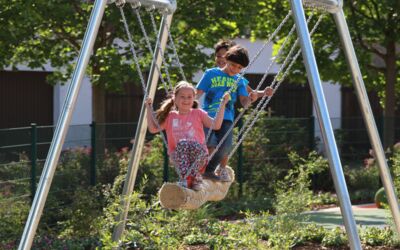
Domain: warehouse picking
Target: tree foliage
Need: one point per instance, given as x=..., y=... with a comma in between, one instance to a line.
x=39, y=33
x=51, y=32
x=42, y=32
x=374, y=26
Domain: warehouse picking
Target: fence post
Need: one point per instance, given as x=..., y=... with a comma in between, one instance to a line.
x=311, y=147
x=93, y=154
x=165, y=172
x=379, y=125
x=311, y=138
x=240, y=162
x=33, y=158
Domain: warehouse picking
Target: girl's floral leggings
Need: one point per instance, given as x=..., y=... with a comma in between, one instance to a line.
x=189, y=158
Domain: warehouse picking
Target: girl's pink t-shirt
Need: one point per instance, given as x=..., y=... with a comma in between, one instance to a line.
x=184, y=127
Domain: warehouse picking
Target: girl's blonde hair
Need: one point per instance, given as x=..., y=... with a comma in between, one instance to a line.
x=166, y=105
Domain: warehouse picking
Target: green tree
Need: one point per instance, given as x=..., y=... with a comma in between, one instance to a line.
x=374, y=26
x=35, y=33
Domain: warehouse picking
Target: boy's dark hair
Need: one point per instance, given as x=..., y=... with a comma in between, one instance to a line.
x=238, y=54
x=223, y=44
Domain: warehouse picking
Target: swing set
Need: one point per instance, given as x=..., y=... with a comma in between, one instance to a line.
x=173, y=196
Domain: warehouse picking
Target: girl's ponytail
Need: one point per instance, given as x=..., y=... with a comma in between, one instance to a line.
x=163, y=111
x=195, y=104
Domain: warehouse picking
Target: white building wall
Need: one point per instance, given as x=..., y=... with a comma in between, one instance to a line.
x=263, y=60
x=82, y=114
x=333, y=100
x=79, y=131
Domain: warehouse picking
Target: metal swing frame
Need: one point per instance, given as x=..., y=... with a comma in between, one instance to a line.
x=332, y=6
x=168, y=6
x=335, y=8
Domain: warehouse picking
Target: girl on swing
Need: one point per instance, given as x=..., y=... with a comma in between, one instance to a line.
x=184, y=124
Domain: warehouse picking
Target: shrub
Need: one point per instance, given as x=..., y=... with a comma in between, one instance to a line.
x=380, y=198
x=334, y=237
x=48, y=242
x=373, y=236
x=266, y=148
x=13, y=214
x=395, y=160
x=362, y=183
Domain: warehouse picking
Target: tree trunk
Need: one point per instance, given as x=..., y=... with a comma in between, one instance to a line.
x=390, y=96
x=98, y=114
x=99, y=105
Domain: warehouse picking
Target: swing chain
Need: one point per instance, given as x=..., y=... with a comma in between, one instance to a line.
x=132, y=47
x=136, y=5
x=120, y=3
x=276, y=76
x=133, y=51
x=175, y=53
x=170, y=87
x=248, y=66
x=258, y=86
x=275, y=88
x=148, y=44
x=276, y=57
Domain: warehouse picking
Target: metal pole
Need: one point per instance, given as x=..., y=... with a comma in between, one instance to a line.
x=62, y=127
x=368, y=115
x=141, y=130
x=325, y=124
x=33, y=158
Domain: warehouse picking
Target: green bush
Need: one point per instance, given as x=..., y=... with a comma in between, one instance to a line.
x=13, y=214
x=395, y=160
x=265, y=151
x=380, y=198
x=334, y=237
x=150, y=227
x=373, y=236
x=362, y=183
x=46, y=242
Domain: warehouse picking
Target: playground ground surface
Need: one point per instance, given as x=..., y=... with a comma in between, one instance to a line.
x=365, y=215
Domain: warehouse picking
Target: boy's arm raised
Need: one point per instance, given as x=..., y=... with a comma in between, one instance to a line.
x=245, y=101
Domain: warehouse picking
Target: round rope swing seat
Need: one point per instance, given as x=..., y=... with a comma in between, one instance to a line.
x=173, y=196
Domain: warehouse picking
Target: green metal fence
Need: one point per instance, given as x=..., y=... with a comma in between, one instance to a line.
x=24, y=150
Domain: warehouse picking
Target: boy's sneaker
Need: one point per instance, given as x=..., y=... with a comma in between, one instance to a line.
x=211, y=176
x=224, y=175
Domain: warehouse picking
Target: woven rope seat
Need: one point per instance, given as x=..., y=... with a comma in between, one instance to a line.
x=173, y=196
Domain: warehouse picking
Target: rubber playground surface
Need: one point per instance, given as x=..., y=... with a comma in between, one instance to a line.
x=365, y=215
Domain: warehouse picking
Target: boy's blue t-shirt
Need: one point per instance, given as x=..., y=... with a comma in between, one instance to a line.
x=215, y=83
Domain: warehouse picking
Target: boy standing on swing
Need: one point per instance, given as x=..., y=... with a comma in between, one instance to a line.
x=214, y=83
x=220, y=49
